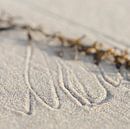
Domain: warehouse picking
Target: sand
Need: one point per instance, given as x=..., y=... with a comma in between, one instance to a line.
x=39, y=90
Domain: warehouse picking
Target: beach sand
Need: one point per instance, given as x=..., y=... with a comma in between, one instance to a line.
x=39, y=90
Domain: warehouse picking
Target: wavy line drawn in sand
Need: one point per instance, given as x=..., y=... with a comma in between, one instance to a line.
x=106, y=87
x=77, y=89
x=110, y=74
x=27, y=79
x=68, y=88
x=115, y=77
x=66, y=79
x=14, y=95
x=103, y=92
x=56, y=102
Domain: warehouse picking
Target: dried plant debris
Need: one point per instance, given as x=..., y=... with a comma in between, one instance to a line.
x=96, y=49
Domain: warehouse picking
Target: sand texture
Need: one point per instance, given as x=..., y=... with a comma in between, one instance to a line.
x=39, y=90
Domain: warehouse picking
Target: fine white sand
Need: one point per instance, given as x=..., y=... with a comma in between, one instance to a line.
x=39, y=90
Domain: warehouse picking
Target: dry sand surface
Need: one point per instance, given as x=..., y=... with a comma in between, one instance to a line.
x=39, y=90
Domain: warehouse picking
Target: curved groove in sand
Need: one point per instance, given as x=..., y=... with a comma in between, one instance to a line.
x=68, y=88
x=103, y=97
x=72, y=95
x=29, y=54
x=53, y=88
x=108, y=79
